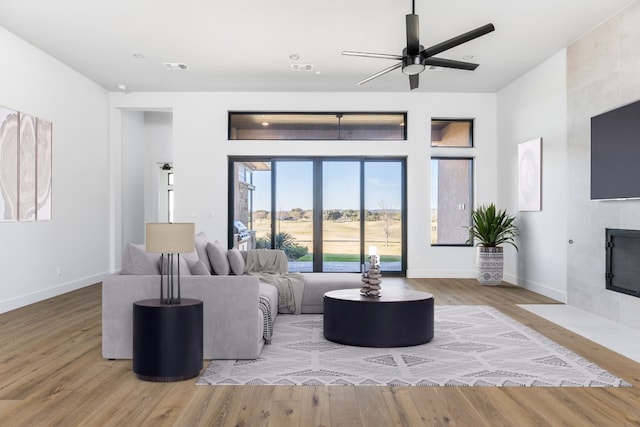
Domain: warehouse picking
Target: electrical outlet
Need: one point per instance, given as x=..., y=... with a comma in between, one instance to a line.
x=59, y=271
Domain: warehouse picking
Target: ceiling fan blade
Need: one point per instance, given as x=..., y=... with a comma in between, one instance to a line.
x=373, y=55
x=414, y=79
x=413, y=35
x=458, y=40
x=450, y=63
x=380, y=73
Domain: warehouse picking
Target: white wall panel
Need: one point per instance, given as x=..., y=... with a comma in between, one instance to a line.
x=76, y=239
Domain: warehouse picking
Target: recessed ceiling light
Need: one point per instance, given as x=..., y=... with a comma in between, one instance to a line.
x=294, y=56
x=467, y=57
x=138, y=56
x=175, y=66
x=265, y=123
x=122, y=87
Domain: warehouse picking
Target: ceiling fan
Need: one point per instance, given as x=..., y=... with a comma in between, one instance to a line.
x=415, y=57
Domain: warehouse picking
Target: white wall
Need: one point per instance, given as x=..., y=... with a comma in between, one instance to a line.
x=201, y=150
x=77, y=238
x=535, y=106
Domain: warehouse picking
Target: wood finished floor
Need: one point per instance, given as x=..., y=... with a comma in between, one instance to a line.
x=52, y=373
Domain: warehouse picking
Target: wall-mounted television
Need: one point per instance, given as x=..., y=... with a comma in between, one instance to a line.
x=615, y=154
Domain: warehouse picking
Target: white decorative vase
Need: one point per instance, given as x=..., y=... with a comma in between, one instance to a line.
x=489, y=265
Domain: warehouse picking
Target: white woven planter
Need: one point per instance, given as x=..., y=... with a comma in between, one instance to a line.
x=489, y=265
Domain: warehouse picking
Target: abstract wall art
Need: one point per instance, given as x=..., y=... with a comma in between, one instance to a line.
x=43, y=169
x=25, y=167
x=27, y=176
x=529, y=175
x=9, y=127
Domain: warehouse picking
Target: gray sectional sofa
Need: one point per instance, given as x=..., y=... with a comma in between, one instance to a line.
x=233, y=320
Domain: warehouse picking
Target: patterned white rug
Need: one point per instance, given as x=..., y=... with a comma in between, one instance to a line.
x=472, y=346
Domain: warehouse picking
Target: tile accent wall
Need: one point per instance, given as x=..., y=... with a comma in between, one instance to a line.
x=603, y=72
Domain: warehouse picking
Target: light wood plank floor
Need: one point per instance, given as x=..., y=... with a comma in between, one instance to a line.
x=52, y=373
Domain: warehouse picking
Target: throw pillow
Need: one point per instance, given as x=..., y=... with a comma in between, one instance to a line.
x=136, y=261
x=218, y=258
x=190, y=257
x=184, y=265
x=236, y=262
x=201, y=241
x=198, y=268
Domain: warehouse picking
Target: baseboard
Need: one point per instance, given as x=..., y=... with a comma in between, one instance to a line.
x=440, y=274
x=537, y=288
x=43, y=294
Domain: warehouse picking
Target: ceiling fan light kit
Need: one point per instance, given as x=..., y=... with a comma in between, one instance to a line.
x=415, y=58
x=412, y=65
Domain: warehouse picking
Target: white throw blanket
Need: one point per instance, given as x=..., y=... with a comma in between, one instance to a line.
x=271, y=266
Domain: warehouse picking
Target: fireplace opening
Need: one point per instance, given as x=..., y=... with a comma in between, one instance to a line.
x=623, y=261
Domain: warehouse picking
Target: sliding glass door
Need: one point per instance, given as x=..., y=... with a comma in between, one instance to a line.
x=293, y=213
x=324, y=213
x=341, y=221
x=384, y=213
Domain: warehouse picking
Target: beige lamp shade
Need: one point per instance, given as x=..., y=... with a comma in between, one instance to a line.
x=170, y=238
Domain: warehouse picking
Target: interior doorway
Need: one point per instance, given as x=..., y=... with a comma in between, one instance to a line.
x=165, y=205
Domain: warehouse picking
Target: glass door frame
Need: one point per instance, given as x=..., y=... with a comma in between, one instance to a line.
x=318, y=198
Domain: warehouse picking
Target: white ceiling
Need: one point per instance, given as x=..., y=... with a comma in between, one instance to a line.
x=244, y=45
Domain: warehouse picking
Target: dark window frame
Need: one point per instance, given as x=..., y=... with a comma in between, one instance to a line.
x=319, y=113
x=471, y=159
x=454, y=120
x=317, y=234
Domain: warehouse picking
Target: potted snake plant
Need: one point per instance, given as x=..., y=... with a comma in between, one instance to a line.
x=490, y=229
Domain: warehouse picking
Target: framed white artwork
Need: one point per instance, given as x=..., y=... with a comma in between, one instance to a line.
x=530, y=175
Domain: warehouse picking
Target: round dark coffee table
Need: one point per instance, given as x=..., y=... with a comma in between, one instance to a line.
x=398, y=318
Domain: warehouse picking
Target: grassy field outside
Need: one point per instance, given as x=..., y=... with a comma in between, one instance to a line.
x=341, y=238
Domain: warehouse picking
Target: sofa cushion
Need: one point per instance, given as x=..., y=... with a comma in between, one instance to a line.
x=236, y=262
x=201, y=241
x=218, y=258
x=316, y=284
x=136, y=261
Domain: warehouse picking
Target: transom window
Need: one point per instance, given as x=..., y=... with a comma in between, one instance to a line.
x=389, y=126
x=452, y=132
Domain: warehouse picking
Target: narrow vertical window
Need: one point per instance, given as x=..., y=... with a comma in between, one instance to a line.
x=451, y=200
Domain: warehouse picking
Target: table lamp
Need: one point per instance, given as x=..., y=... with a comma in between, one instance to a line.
x=170, y=239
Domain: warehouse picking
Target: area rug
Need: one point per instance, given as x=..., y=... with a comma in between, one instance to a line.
x=472, y=346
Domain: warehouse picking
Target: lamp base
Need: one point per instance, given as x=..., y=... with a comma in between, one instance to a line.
x=171, y=279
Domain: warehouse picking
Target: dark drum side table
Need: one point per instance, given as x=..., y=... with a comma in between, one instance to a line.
x=167, y=340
